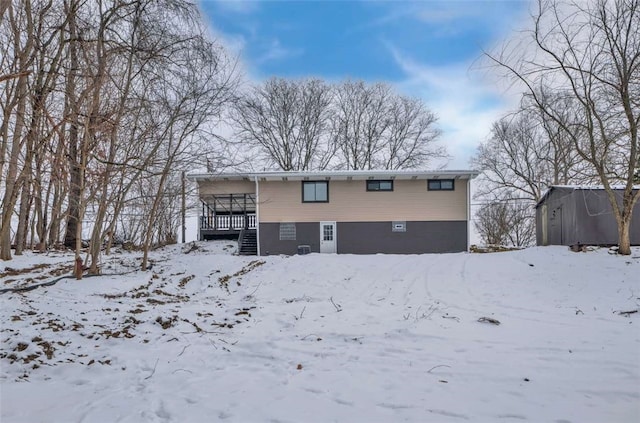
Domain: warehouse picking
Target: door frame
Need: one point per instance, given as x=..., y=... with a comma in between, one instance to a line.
x=332, y=247
x=556, y=235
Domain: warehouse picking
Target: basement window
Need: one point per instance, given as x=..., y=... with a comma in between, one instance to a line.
x=374, y=185
x=440, y=185
x=287, y=232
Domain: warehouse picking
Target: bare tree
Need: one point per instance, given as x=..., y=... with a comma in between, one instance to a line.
x=563, y=164
x=491, y=223
x=412, y=135
x=286, y=120
x=20, y=32
x=102, y=103
x=197, y=84
x=360, y=123
x=506, y=222
x=525, y=154
x=375, y=128
x=588, y=53
x=520, y=157
x=307, y=124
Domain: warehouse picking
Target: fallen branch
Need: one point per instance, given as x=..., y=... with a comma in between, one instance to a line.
x=43, y=284
x=627, y=313
x=215, y=332
x=254, y=291
x=154, y=369
x=338, y=306
x=212, y=343
x=427, y=315
x=435, y=367
x=182, y=352
x=489, y=320
x=311, y=334
x=301, y=313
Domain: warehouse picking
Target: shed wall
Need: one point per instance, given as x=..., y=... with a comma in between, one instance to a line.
x=597, y=223
x=581, y=216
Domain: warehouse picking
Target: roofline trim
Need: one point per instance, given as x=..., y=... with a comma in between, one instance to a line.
x=337, y=175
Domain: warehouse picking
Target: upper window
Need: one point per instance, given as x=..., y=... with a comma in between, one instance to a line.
x=315, y=192
x=380, y=185
x=440, y=184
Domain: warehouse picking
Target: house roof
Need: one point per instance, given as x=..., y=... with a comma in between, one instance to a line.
x=339, y=175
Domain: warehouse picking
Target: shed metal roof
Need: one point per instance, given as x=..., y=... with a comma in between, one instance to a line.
x=580, y=188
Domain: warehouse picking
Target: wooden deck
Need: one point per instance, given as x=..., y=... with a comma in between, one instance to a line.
x=225, y=216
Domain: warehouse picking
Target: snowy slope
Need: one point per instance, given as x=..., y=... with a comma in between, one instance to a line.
x=209, y=336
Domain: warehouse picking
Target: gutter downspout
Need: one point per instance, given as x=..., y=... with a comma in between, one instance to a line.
x=255, y=178
x=199, y=223
x=469, y=214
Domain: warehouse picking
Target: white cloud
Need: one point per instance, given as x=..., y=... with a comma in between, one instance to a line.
x=237, y=6
x=235, y=43
x=439, y=13
x=276, y=51
x=444, y=17
x=464, y=100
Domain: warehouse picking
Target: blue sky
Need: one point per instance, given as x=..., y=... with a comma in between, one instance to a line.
x=427, y=49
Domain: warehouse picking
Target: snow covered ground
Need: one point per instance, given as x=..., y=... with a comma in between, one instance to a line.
x=210, y=336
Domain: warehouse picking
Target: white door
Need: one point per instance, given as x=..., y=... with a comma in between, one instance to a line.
x=327, y=237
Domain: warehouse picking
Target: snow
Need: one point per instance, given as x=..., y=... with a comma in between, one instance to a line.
x=321, y=338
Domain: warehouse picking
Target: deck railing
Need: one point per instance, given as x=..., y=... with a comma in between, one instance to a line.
x=225, y=222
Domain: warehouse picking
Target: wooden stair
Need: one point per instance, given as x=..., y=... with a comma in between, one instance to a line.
x=248, y=243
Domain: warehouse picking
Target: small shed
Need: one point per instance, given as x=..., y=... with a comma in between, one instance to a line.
x=568, y=215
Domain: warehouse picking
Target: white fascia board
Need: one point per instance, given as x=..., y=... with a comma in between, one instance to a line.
x=200, y=177
x=339, y=175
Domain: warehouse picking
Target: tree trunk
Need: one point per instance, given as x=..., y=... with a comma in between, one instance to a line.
x=11, y=181
x=74, y=188
x=152, y=218
x=41, y=204
x=624, y=241
x=23, y=217
x=70, y=94
x=56, y=214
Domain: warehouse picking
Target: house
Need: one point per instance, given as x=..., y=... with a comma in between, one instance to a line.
x=357, y=212
x=568, y=215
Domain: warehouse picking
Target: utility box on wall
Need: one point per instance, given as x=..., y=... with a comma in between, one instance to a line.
x=304, y=249
x=398, y=226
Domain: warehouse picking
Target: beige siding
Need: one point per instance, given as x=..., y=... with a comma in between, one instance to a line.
x=349, y=201
x=227, y=187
